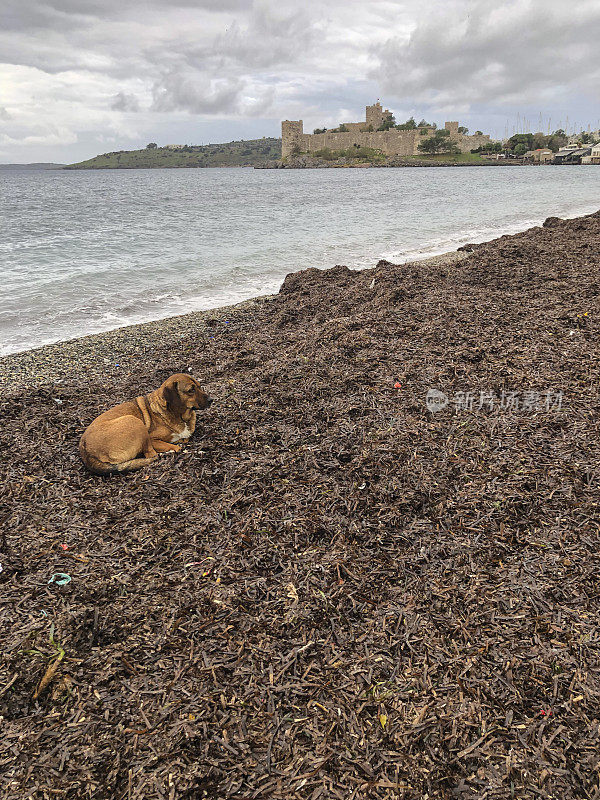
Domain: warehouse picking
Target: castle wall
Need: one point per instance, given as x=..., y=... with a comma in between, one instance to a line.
x=466, y=142
x=353, y=126
x=393, y=142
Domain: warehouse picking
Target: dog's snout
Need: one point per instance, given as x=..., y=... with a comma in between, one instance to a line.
x=203, y=403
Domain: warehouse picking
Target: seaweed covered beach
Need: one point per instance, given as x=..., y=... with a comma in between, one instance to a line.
x=339, y=589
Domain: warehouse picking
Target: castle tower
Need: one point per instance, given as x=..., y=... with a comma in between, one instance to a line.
x=374, y=115
x=291, y=136
x=452, y=127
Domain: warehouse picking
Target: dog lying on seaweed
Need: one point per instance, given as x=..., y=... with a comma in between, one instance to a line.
x=132, y=434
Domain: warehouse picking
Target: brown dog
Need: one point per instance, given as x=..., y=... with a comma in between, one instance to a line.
x=130, y=435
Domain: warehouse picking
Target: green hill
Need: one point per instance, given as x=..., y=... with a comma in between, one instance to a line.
x=248, y=153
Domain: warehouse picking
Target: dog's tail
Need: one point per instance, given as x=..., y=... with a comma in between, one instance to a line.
x=98, y=467
x=102, y=468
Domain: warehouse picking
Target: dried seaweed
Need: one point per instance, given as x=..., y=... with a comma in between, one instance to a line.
x=332, y=592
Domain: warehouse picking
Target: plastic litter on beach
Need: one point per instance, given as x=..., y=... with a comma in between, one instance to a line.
x=60, y=579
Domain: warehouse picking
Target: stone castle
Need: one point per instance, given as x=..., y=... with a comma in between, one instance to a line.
x=392, y=142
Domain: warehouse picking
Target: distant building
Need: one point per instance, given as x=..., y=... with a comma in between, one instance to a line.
x=392, y=142
x=594, y=156
x=543, y=155
x=571, y=155
x=173, y=146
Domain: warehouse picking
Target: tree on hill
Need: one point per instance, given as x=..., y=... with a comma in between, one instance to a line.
x=489, y=147
x=440, y=142
x=541, y=141
x=151, y=146
x=534, y=141
x=557, y=140
x=388, y=122
x=521, y=139
x=409, y=125
x=462, y=129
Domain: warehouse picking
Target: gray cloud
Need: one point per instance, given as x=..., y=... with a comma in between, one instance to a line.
x=216, y=76
x=125, y=102
x=271, y=37
x=177, y=91
x=466, y=54
x=96, y=72
x=31, y=15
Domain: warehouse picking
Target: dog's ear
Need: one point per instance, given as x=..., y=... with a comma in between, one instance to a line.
x=171, y=397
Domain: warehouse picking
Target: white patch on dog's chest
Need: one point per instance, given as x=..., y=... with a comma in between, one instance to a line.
x=185, y=434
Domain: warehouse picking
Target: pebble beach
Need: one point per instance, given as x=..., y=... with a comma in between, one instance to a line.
x=112, y=352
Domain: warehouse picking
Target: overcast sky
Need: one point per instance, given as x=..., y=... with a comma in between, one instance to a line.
x=79, y=77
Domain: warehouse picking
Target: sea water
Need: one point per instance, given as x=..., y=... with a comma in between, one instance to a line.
x=87, y=251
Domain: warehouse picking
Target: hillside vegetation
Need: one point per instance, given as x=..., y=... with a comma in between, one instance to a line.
x=368, y=157
x=452, y=158
x=230, y=154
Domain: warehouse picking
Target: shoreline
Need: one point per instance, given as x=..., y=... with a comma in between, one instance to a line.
x=23, y=365
x=310, y=163
x=105, y=350
x=108, y=351
x=324, y=165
